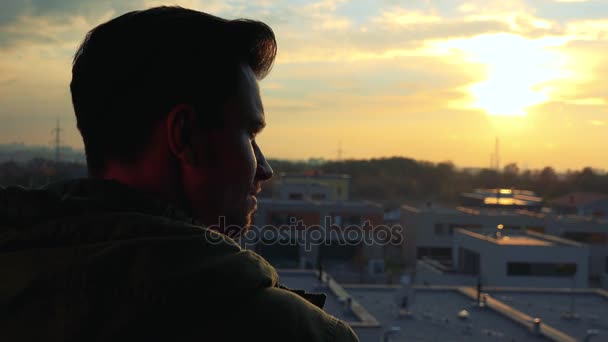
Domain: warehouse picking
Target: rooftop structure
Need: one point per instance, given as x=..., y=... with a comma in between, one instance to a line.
x=313, y=185
x=339, y=302
x=435, y=315
x=502, y=198
x=307, y=280
x=453, y=313
x=352, y=261
x=521, y=259
x=582, y=204
x=575, y=313
x=430, y=232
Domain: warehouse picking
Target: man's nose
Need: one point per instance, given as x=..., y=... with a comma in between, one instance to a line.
x=263, y=170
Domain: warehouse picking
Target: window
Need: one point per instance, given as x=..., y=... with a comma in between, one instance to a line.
x=585, y=237
x=295, y=196
x=439, y=229
x=453, y=226
x=540, y=269
x=318, y=196
x=346, y=219
x=435, y=253
x=469, y=261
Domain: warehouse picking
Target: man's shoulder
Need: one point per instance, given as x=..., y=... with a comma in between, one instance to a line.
x=290, y=316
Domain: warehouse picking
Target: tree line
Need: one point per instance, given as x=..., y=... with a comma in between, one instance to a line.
x=393, y=181
x=390, y=181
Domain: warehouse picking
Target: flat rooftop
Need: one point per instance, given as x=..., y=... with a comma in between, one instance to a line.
x=307, y=281
x=434, y=316
x=351, y=204
x=520, y=240
x=590, y=308
x=466, y=211
x=528, y=238
x=438, y=209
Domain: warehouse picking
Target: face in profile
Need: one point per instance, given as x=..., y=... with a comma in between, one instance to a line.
x=230, y=167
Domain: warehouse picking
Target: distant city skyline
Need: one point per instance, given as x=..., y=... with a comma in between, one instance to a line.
x=75, y=154
x=428, y=80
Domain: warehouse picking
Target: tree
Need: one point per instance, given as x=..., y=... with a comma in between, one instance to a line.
x=547, y=182
x=511, y=169
x=510, y=173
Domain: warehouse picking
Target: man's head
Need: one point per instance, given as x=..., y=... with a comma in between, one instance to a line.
x=167, y=100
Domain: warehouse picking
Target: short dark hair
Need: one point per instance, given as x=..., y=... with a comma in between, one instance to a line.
x=130, y=71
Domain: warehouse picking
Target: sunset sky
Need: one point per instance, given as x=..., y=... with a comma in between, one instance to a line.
x=433, y=80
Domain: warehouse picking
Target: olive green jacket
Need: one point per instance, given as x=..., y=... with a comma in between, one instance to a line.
x=94, y=260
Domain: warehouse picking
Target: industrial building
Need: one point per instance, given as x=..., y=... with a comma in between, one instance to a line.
x=430, y=232
x=410, y=312
x=307, y=207
x=522, y=259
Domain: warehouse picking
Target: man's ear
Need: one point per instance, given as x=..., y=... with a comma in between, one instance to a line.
x=180, y=123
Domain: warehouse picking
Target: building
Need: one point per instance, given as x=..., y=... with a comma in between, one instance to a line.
x=338, y=240
x=410, y=312
x=313, y=186
x=521, y=259
x=581, y=314
x=430, y=231
x=588, y=230
x=581, y=204
x=433, y=315
x=604, y=276
x=502, y=198
x=449, y=313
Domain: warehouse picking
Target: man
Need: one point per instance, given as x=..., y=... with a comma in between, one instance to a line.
x=167, y=103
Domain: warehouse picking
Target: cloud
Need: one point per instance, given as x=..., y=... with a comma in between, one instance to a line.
x=400, y=17
x=343, y=66
x=588, y=29
x=23, y=22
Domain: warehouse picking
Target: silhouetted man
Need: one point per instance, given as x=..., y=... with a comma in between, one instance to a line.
x=168, y=106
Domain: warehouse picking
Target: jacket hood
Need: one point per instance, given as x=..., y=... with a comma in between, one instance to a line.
x=61, y=244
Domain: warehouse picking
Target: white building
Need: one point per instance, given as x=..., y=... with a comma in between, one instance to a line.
x=430, y=231
x=525, y=259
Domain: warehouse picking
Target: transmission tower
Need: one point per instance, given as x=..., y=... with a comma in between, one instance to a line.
x=497, y=154
x=340, y=151
x=57, y=141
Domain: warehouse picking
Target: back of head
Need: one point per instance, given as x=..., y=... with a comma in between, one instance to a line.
x=130, y=71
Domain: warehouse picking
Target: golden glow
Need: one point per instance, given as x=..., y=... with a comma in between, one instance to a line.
x=499, y=201
x=517, y=70
x=500, y=226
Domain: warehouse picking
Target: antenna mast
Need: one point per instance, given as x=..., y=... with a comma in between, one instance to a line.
x=497, y=154
x=57, y=142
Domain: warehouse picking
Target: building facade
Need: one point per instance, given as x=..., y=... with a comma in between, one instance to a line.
x=523, y=259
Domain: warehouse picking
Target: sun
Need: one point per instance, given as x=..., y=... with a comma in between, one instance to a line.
x=517, y=70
